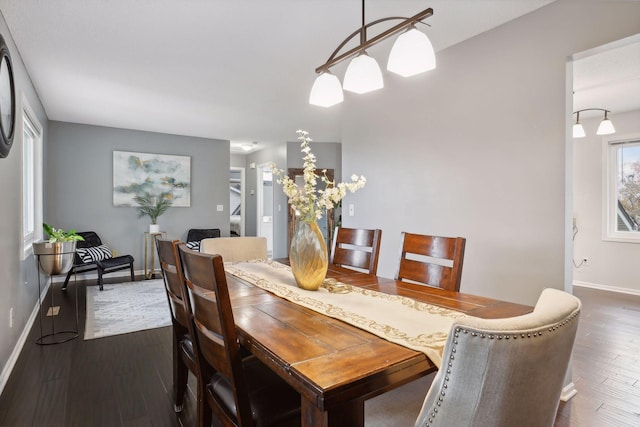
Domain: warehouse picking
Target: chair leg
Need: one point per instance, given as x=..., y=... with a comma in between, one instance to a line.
x=133, y=277
x=180, y=376
x=205, y=413
x=100, y=278
x=66, y=280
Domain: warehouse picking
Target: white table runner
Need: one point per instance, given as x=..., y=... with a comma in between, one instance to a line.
x=405, y=321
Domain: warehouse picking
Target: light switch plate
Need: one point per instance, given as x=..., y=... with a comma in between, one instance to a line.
x=351, y=210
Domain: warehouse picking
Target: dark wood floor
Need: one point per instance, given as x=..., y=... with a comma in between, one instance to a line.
x=125, y=380
x=606, y=362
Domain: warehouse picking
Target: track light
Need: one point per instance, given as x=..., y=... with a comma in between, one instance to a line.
x=412, y=53
x=605, y=127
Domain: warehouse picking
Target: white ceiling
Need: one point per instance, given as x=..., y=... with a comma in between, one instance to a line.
x=608, y=77
x=229, y=69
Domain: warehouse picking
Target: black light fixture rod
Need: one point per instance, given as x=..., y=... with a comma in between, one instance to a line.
x=592, y=109
x=365, y=44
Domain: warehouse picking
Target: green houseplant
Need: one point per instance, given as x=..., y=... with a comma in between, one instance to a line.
x=59, y=235
x=152, y=206
x=55, y=256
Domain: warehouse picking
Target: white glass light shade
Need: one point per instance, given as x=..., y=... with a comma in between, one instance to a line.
x=411, y=54
x=578, y=131
x=326, y=91
x=606, y=127
x=363, y=75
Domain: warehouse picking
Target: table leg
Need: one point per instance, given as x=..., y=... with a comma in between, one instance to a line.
x=348, y=414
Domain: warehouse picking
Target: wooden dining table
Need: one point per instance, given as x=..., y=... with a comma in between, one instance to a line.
x=335, y=366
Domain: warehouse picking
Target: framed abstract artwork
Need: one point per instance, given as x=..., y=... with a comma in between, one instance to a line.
x=161, y=175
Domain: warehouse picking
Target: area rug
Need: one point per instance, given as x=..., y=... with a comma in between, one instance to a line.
x=126, y=307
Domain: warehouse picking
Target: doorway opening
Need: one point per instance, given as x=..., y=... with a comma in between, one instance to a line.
x=236, y=202
x=265, y=205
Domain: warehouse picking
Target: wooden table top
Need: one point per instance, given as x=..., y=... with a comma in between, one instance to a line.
x=333, y=365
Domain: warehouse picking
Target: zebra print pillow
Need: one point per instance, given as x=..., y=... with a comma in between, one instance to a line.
x=95, y=253
x=194, y=246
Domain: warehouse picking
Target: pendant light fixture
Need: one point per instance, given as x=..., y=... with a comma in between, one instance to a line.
x=605, y=127
x=412, y=53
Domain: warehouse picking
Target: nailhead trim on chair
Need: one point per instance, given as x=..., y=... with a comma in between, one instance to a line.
x=458, y=330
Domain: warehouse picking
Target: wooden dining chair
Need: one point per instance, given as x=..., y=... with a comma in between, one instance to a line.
x=240, y=392
x=432, y=260
x=185, y=356
x=505, y=372
x=356, y=247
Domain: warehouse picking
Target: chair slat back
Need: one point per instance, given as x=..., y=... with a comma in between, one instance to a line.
x=214, y=323
x=432, y=270
x=359, y=248
x=173, y=280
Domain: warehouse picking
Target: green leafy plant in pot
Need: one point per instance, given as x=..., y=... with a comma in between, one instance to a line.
x=152, y=206
x=55, y=256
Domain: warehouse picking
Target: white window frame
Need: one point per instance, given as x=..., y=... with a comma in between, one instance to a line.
x=28, y=122
x=609, y=191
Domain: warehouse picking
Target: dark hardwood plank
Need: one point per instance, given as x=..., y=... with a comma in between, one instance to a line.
x=605, y=366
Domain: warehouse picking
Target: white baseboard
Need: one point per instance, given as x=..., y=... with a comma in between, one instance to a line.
x=568, y=392
x=606, y=288
x=13, y=357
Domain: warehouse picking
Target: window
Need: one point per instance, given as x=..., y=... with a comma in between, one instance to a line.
x=623, y=190
x=31, y=180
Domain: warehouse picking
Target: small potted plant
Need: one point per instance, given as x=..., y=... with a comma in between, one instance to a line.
x=55, y=255
x=152, y=206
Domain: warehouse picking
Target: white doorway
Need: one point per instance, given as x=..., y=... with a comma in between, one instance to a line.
x=265, y=205
x=236, y=202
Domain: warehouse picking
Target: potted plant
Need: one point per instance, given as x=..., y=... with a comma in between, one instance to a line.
x=152, y=206
x=55, y=255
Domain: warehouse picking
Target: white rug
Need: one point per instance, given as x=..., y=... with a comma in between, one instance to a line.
x=127, y=307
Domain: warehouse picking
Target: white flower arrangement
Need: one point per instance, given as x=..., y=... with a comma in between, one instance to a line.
x=309, y=203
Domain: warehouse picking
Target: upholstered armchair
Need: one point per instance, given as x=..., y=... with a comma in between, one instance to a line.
x=236, y=248
x=195, y=236
x=505, y=372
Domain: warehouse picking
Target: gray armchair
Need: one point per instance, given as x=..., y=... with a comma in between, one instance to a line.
x=505, y=372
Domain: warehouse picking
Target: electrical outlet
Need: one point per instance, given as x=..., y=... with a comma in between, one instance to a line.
x=11, y=317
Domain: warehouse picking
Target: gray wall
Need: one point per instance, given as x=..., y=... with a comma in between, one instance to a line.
x=476, y=148
x=18, y=278
x=611, y=264
x=79, y=184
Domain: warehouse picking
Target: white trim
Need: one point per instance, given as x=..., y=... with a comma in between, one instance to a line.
x=26, y=113
x=13, y=357
x=609, y=188
x=628, y=291
x=243, y=198
x=568, y=392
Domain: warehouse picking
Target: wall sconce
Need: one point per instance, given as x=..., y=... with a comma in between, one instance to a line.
x=605, y=128
x=412, y=53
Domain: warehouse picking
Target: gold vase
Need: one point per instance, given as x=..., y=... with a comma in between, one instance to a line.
x=308, y=256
